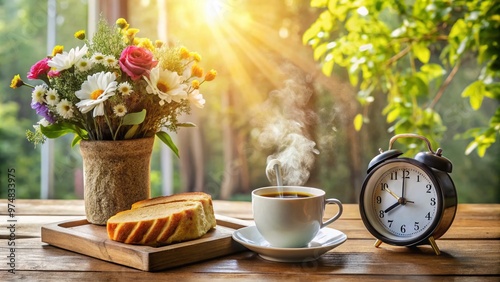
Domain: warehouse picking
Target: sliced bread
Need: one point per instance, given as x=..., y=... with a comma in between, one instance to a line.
x=204, y=198
x=159, y=224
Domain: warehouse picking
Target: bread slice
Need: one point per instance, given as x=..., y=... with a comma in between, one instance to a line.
x=204, y=198
x=159, y=224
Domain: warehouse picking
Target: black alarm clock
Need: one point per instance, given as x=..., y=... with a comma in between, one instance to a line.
x=408, y=201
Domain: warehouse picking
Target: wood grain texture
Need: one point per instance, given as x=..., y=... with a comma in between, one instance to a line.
x=470, y=252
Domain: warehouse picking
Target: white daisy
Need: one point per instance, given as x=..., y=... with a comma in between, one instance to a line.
x=52, y=97
x=110, y=61
x=196, y=98
x=66, y=60
x=125, y=88
x=38, y=94
x=166, y=84
x=119, y=110
x=65, y=109
x=83, y=65
x=98, y=58
x=95, y=90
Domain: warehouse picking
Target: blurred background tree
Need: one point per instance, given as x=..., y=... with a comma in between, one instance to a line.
x=411, y=51
x=258, y=49
x=23, y=33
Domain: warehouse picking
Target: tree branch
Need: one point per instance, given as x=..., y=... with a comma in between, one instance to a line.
x=445, y=85
x=399, y=55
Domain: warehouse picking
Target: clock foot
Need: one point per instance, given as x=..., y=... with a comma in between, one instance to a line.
x=377, y=243
x=434, y=246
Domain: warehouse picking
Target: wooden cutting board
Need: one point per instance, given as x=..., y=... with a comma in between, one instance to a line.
x=92, y=240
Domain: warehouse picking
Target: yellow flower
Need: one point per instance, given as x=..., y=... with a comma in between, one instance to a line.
x=58, y=49
x=80, y=34
x=122, y=23
x=131, y=32
x=16, y=82
x=195, y=84
x=158, y=43
x=196, y=71
x=195, y=56
x=184, y=52
x=211, y=75
x=145, y=43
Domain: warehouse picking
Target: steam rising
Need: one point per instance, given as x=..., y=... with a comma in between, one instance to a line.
x=284, y=131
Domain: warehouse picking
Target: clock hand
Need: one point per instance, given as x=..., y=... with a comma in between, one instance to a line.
x=403, y=188
x=392, y=193
x=392, y=207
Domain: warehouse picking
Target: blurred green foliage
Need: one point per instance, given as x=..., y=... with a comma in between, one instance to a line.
x=411, y=51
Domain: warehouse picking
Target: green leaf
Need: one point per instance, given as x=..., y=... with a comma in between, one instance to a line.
x=326, y=21
x=422, y=52
x=59, y=129
x=495, y=120
x=393, y=115
x=131, y=132
x=165, y=138
x=475, y=91
x=134, y=118
x=493, y=90
x=457, y=30
x=327, y=67
x=76, y=140
x=433, y=71
x=358, y=122
x=319, y=3
x=472, y=145
x=311, y=33
x=417, y=86
x=320, y=50
x=481, y=149
x=185, y=124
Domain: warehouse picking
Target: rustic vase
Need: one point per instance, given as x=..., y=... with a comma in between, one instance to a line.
x=116, y=175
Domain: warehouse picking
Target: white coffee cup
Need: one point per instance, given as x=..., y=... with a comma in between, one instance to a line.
x=291, y=222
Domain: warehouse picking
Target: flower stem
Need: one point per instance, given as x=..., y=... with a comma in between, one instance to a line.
x=110, y=126
x=118, y=129
x=97, y=130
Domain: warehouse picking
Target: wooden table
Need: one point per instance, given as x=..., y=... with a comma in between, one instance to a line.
x=470, y=250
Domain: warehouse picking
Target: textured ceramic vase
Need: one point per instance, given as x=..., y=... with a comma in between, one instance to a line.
x=116, y=175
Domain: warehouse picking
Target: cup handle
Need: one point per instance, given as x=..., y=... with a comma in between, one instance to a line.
x=335, y=217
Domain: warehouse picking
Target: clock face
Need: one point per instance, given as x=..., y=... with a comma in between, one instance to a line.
x=401, y=202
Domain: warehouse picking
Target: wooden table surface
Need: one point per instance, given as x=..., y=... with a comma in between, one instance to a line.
x=470, y=251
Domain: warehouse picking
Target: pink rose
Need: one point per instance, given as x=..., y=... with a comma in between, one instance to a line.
x=41, y=68
x=136, y=61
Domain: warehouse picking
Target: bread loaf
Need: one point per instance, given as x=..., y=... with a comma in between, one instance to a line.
x=163, y=220
x=204, y=198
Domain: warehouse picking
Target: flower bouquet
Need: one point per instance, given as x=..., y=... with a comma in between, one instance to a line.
x=115, y=93
x=117, y=86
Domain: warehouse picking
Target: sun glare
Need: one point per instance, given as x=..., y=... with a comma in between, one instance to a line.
x=214, y=10
x=247, y=44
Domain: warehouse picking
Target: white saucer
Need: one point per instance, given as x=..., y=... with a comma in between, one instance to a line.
x=326, y=240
